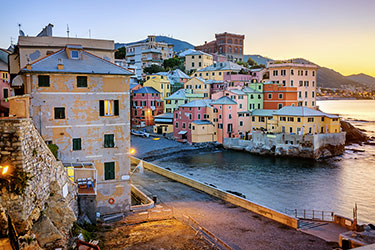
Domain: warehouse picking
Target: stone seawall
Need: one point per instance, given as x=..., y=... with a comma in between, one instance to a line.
x=308, y=146
x=44, y=213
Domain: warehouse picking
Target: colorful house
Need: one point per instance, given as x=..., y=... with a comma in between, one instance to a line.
x=163, y=123
x=254, y=97
x=4, y=83
x=237, y=95
x=160, y=83
x=276, y=96
x=226, y=112
x=216, y=71
x=262, y=119
x=195, y=60
x=199, y=86
x=300, y=75
x=176, y=77
x=80, y=102
x=180, y=97
x=146, y=104
x=186, y=114
x=203, y=131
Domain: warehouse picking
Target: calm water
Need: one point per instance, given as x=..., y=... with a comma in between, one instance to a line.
x=281, y=183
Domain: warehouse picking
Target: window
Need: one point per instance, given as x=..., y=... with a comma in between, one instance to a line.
x=176, y=124
x=313, y=103
x=241, y=123
x=313, y=73
x=220, y=126
x=183, y=125
x=77, y=144
x=230, y=116
x=290, y=129
x=313, y=94
x=322, y=119
x=275, y=73
x=240, y=106
x=280, y=105
x=292, y=72
x=253, y=118
x=305, y=94
x=290, y=119
x=298, y=119
x=108, y=107
x=269, y=96
x=291, y=83
x=43, y=81
x=109, y=141
x=259, y=97
x=282, y=118
x=192, y=64
x=299, y=94
x=60, y=113
x=81, y=81
x=109, y=170
x=5, y=93
x=75, y=54
x=310, y=119
x=280, y=96
x=261, y=118
x=300, y=83
x=199, y=116
x=200, y=64
x=283, y=72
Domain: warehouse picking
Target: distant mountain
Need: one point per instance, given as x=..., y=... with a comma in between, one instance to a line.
x=367, y=80
x=258, y=59
x=178, y=45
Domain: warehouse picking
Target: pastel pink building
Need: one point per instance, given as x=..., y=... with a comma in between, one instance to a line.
x=186, y=114
x=146, y=104
x=227, y=118
x=239, y=96
x=217, y=86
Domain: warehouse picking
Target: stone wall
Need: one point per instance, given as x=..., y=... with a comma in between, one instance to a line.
x=47, y=209
x=308, y=146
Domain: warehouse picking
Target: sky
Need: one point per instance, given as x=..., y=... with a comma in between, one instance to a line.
x=338, y=34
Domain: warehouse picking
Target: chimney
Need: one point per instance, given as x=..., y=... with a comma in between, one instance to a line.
x=60, y=65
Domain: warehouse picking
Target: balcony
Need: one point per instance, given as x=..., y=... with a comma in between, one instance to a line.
x=84, y=175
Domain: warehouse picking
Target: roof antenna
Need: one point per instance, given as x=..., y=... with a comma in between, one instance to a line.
x=89, y=33
x=67, y=30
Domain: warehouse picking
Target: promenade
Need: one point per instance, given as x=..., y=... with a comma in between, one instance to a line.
x=238, y=227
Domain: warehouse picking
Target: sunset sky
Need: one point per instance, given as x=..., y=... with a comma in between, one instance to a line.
x=338, y=34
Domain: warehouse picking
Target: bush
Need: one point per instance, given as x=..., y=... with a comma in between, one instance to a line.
x=54, y=149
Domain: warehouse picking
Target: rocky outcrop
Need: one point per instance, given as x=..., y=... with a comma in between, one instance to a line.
x=45, y=210
x=353, y=135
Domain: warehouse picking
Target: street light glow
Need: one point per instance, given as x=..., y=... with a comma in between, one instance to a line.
x=5, y=169
x=132, y=151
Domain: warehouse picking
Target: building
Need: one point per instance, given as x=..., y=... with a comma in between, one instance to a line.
x=226, y=117
x=262, y=120
x=226, y=44
x=180, y=97
x=276, y=96
x=176, y=78
x=4, y=83
x=217, y=71
x=160, y=83
x=254, y=93
x=80, y=102
x=300, y=75
x=184, y=116
x=203, y=131
x=145, y=53
x=239, y=96
x=198, y=85
x=163, y=123
x=196, y=60
x=146, y=104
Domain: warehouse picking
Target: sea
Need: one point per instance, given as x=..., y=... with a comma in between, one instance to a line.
x=285, y=184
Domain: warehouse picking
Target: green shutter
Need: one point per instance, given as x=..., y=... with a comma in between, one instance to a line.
x=101, y=108
x=109, y=170
x=109, y=141
x=43, y=81
x=77, y=144
x=116, y=111
x=82, y=81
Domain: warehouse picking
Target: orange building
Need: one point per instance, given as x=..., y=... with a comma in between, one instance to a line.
x=277, y=96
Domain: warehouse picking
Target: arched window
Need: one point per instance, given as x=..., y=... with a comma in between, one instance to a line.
x=235, y=50
x=229, y=49
x=235, y=41
x=230, y=41
x=221, y=50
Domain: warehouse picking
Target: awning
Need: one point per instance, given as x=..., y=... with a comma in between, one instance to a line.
x=182, y=132
x=17, y=81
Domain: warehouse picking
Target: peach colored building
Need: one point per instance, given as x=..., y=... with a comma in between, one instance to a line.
x=299, y=75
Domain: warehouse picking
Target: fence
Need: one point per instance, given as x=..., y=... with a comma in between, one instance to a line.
x=312, y=214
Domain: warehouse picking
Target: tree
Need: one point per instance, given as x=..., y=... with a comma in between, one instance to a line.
x=172, y=63
x=120, y=53
x=251, y=62
x=154, y=68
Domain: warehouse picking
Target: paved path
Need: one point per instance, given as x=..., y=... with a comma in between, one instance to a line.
x=238, y=227
x=327, y=231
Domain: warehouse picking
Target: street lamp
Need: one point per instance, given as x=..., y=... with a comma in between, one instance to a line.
x=4, y=169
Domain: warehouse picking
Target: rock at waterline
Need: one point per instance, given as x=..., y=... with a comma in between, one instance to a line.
x=353, y=134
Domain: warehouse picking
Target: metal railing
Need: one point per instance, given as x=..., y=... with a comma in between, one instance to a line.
x=13, y=235
x=307, y=214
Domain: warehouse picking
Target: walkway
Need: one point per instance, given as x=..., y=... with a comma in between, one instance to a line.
x=239, y=228
x=327, y=231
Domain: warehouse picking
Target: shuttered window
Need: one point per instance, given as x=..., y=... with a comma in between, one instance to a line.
x=60, y=113
x=81, y=81
x=77, y=144
x=43, y=81
x=109, y=170
x=109, y=108
x=109, y=141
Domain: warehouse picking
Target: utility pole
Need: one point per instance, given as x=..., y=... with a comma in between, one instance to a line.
x=67, y=30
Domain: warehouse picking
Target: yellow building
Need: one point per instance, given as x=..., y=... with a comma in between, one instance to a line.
x=196, y=60
x=203, y=131
x=163, y=123
x=199, y=86
x=217, y=70
x=160, y=83
x=80, y=102
x=295, y=120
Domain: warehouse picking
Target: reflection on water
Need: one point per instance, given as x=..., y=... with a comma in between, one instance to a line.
x=289, y=183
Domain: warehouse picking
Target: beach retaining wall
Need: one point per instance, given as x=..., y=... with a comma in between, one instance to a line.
x=238, y=201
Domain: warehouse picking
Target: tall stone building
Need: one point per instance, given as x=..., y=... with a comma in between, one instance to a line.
x=225, y=44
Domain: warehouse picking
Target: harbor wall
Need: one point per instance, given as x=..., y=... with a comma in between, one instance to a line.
x=241, y=202
x=313, y=146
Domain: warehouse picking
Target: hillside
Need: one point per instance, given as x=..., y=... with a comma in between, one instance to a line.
x=258, y=59
x=367, y=80
x=178, y=44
